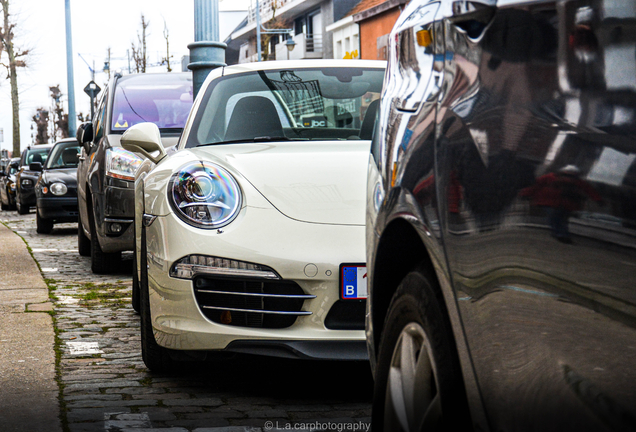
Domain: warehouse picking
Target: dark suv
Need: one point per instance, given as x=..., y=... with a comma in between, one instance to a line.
x=106, y=172
x=26, y=178
x=501, y=218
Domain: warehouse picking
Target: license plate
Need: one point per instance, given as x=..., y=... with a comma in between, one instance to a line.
x=353, y=281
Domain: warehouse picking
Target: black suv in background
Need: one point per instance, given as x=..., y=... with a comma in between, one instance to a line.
x=501, y=218
x=26, y=178
x=106, y=172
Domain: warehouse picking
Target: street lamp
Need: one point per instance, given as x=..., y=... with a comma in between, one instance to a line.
x=290, y=44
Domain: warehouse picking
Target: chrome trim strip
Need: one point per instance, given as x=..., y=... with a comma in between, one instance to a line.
x=298, y=296
x=216, y=271
x=111, y=220
x=257, y=311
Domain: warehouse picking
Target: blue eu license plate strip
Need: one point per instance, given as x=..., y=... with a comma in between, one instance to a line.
x=353, y=281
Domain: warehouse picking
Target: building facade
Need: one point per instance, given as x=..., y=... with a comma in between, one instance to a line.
x=306, y=21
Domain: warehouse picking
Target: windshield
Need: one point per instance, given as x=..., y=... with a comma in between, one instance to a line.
x=37, y=155
x=164, y=100
x=334, y=103
x=64, y=155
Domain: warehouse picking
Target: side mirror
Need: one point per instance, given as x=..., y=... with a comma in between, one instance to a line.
x=15, y=165
x=145, y=139
x=84, y=135
x=35, y=166
x=3, y=174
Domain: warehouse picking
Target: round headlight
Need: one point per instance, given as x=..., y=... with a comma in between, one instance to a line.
x=58, y=189
x=204, y=195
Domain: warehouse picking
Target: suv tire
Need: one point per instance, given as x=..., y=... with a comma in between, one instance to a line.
x=417, y=327
x=102, y=262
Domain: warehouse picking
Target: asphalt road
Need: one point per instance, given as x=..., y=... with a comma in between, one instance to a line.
x=104, y=385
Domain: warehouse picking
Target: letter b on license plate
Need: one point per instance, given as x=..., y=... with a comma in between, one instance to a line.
x=353, y=281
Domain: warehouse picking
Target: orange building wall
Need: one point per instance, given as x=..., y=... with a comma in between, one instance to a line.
x=373, y=28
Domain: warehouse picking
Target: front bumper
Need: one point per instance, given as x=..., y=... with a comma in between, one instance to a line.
x=27, y=197
x=60, y=209
x=118, y=204
x=266, y=237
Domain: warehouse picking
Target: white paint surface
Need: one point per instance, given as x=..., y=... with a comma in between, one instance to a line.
x=84, y=348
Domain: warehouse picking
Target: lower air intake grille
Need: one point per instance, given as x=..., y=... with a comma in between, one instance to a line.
x=250, y=303
x=346, y=315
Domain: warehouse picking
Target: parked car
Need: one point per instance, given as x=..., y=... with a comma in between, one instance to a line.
x=7, y=184
x=56, y=188
x=26, y=177
x=251, y=236
x=106, y=171
x=501, y=219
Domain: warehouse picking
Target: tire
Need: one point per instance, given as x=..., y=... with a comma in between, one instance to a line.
x=102, y=262
x=43, y=226
x=156, y=357
x=135, y=279
x=433, y=398
x=83, y=242
x=22, y=210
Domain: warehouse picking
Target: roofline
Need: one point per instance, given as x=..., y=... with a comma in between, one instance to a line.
x=340, y=23
x=377, y=10
x=302, y=64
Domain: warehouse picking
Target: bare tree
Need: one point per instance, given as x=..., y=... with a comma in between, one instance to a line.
x=273, y=23
x=6, y=39
x=41, y=120
x=139, y=51
x=60, y=118
x=166, y=59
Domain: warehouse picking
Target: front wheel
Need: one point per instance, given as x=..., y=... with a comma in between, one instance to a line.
x=83, y=242
x=102, y=262
x=135, y=280
x=22, y=209
x=156, y=357
x=418, y=384
x=43, y=226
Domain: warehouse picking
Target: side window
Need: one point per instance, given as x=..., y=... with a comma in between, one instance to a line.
x=99, y=122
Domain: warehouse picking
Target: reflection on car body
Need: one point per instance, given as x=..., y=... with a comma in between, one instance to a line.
x=251, y=236
x=534, y=306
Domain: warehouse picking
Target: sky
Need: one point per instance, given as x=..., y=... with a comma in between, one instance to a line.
x=96, y=26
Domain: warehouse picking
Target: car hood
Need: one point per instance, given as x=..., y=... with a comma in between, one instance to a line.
x=318, y=181
x=67, y=176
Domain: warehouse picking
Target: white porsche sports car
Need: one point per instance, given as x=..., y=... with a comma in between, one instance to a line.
x=250, y=236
